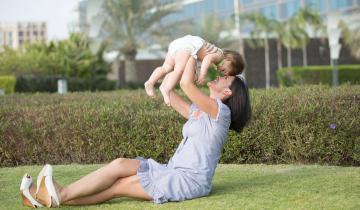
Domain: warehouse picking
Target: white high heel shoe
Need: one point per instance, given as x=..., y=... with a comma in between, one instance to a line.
x=46, y=192
x=27, y=198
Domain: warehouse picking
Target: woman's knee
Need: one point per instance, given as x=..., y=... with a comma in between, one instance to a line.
x=117, y=162
x=124, y=166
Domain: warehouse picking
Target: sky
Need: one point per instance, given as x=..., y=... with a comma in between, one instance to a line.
x=60, y=15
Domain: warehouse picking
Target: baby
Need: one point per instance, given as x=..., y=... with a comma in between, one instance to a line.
x=227, y=62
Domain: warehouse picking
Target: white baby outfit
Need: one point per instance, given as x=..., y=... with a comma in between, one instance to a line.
x=189, y=43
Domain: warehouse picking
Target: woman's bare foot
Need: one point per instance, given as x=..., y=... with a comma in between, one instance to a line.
x=149, y=88
x=166, y=95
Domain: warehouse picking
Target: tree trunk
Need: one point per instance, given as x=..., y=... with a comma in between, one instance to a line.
x=116, y=70
x=242, y=52
x=304, y=55
x=267, y=63
x=289, y=57
x=279, y=52
x=130, y=68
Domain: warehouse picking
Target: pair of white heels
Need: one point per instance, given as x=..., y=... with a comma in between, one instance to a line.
x=46, y=194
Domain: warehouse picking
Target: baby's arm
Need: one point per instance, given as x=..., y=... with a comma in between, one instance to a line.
x=209, y=59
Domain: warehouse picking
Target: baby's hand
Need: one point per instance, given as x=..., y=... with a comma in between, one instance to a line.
x=201, y=81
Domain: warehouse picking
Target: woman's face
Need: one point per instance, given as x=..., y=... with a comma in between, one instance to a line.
x=220, y=84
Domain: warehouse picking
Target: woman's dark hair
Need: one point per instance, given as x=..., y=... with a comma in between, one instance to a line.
x=239, y=104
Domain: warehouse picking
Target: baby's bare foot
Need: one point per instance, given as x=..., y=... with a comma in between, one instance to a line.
x=165, y=95
x=149, y=88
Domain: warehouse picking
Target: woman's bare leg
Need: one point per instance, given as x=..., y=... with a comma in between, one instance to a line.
x=100, y=179
x=123, y=187
x=157, y=74
x=167, y=85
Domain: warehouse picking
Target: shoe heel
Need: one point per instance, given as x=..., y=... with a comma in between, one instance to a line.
x=26, y=197
x=40, y=175
x=42, y=194
x=52, y=191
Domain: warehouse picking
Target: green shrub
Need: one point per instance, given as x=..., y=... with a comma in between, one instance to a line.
x=289, y=125
x=36, y=83
x=317, y=75
x=8, y=84
x=72, y=57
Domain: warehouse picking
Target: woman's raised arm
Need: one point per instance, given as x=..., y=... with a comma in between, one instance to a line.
x=177, y=102
x=204, y=102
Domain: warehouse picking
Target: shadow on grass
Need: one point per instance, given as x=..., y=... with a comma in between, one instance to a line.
x=252, y=183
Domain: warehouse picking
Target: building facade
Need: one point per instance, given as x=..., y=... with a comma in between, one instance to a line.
x=196, y=10
x=14, y=35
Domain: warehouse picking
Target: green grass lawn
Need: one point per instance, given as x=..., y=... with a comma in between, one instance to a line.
x=234, y=187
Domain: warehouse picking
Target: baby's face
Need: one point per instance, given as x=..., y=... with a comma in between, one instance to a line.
x=225, y=68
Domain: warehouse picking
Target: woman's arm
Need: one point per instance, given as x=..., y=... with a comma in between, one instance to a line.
x=179, y=104
x=204, y=102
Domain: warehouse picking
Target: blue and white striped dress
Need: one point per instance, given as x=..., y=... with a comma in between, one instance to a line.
x=189, y=172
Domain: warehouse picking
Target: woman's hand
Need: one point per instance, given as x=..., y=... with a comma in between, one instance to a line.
x=210, y=48
x=204, y=102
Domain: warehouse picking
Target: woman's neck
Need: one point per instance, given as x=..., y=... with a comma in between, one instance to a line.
x=215, y=96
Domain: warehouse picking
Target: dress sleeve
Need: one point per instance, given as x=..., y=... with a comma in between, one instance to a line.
x=224, y=113
x=193, y=108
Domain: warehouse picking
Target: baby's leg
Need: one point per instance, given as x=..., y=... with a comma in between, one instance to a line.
x=173, y=77
x=159, y=73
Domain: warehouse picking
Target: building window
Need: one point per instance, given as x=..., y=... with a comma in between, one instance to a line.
x=269, y=11
x=318, y=5
x=289, y=9
x=246, y=1
x=340, y=4
x=21, y=33
x=225, y=5
x=35, y=33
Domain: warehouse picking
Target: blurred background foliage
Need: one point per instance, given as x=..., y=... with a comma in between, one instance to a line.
x=71, y=58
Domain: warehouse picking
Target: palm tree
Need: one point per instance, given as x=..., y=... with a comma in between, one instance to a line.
x=127, y=23
x=353, y=42
x=306, y=18
x=293, y=37
x=352, y=36
x=263, y=27
x=213, y=34
x=279, y=32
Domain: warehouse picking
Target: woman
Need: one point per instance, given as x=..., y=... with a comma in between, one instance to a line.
x=188, y=173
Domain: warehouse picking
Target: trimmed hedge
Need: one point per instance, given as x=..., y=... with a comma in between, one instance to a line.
x=8, y=84
x=316, y=124
x=317, y=75
x=38, y=83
